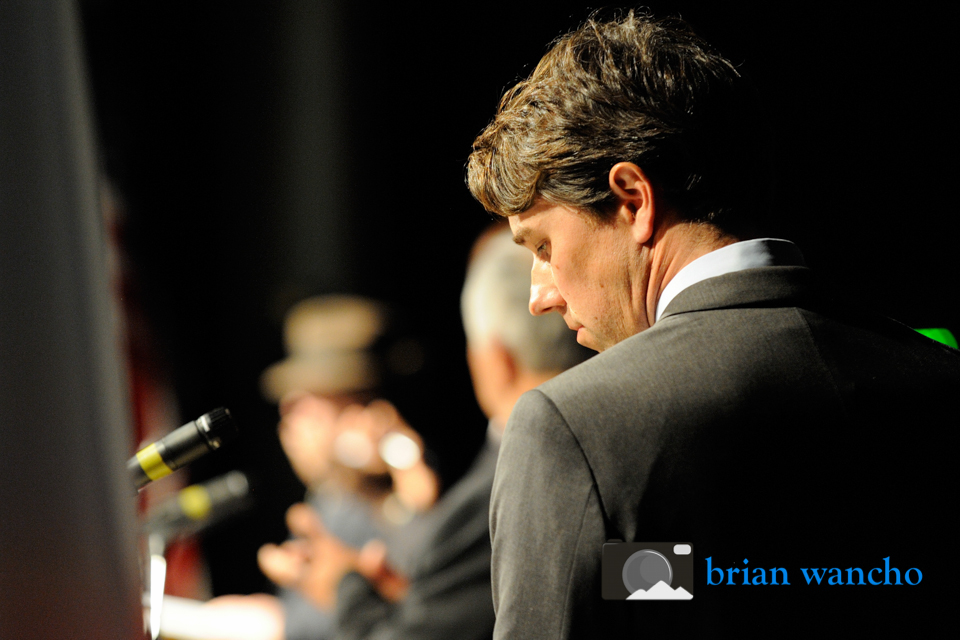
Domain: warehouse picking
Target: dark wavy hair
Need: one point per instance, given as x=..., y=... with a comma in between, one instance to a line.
x=634, y=89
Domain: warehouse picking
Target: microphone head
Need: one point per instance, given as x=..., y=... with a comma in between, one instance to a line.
x=217, y=427
x=200, y=506
x=182, y=446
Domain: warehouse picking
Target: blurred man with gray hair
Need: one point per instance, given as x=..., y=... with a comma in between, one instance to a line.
x=507, y=348
x=509, y=352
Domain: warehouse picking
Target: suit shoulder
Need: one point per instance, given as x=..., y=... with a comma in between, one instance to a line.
x=646, y=356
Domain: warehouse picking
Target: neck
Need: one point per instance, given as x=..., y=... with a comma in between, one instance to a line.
x=675, y=245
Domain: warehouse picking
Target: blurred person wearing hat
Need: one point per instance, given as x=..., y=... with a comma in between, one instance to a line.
x=331, y=364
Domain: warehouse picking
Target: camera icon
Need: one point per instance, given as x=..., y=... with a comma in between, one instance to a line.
x=647, y=571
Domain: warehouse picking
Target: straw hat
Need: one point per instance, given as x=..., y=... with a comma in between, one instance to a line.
x=329, y=340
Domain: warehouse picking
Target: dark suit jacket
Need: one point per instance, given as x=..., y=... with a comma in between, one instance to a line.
x=757, y=420
x=449, y=572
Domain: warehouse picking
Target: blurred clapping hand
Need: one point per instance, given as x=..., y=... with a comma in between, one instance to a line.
x=369, y=450
x=315, y=561
x=375, y=440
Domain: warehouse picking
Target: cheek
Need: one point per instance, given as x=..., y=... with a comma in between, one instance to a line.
x=579, y=293
x=575, y=276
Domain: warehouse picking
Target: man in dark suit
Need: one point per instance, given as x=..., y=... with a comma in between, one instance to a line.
x=736, y=405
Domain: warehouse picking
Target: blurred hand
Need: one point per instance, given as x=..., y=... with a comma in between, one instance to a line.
x=372, y=565
x=375, y=440
x=313, y=563
x=284, y=564
x=355, y=445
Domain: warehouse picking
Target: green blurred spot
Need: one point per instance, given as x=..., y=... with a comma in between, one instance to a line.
x=940, y=335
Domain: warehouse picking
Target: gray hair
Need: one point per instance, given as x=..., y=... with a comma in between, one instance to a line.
x=495, y=305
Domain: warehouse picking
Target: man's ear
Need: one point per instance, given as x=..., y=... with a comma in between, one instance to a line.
x=493, y=372
x=504, y=362
x=635, y=194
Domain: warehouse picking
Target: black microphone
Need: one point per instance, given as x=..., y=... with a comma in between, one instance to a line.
x=199, y=506
x=181, y=447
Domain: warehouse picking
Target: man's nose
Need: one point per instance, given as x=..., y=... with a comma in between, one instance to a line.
x=544, y=295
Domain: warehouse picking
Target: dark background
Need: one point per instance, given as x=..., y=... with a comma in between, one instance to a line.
x=269, y=151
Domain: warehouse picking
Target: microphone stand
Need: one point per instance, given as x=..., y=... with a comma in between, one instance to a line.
x=156, y=581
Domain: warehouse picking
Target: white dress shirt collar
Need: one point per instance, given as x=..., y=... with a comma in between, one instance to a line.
x=749, y=254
